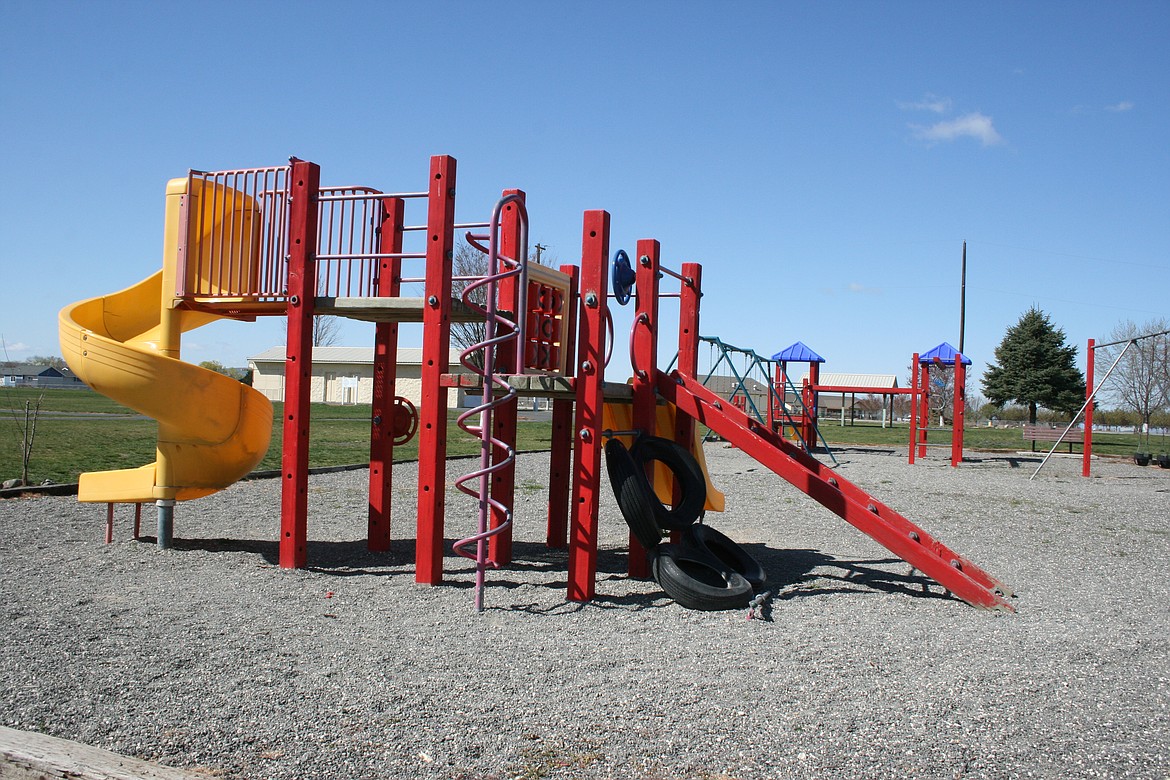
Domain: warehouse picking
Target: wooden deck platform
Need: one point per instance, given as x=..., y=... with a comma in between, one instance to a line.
x=389, y=309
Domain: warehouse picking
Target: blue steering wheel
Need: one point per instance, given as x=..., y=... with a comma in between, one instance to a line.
x=622, y=276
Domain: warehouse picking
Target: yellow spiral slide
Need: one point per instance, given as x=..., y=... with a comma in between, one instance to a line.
x=212, y=430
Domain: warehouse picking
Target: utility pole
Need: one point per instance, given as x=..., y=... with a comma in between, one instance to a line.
x=539, y=248
x=963, y=302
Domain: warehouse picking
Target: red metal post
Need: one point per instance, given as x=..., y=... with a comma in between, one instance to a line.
x=782, y=397
x=923, y=407
x=645, y=359
x=503, y=487
x=959, y=412
x=110, y=523
x=432, y=434
x=1087, y=449
x=808, y=430
x=137, y=519
x=590, y=399
x=688, y=357
x=914, y=377
x=385, y=376
x=304, y=184
x=688, y=342
x=561, y=438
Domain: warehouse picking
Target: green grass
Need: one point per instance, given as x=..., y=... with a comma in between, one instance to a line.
x=1004, y=439
x=76, y=401
x=103, y=435
x=64, y=447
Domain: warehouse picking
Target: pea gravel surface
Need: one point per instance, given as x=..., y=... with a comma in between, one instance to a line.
x=211, y=658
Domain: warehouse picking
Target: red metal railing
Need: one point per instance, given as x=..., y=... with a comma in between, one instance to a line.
x=233, y=241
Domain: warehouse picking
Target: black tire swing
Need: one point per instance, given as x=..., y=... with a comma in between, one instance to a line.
x=706, y=570
x=727, y=552
x=634, y=494
x=697, y=580
x=688, y=476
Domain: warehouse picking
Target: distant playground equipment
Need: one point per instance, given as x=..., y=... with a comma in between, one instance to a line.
x=753, y=376
x=272, y=241
x=1091, y=390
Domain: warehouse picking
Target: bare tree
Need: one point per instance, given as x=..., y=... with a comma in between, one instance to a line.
x=326, y=330
x=941, y=392
x=1141, y=381
x=47, y=360
x=26, y=424
x=470, y=262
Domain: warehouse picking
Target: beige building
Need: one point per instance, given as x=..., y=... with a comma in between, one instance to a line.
x=345, y=375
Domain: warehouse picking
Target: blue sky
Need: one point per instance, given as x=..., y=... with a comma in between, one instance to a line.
x=824, y=161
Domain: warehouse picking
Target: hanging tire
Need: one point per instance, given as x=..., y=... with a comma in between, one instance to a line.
x=635, y=496
x=734, y=557
x=696, y=580
x=692, y=485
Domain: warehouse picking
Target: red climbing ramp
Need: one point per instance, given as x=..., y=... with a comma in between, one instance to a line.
x=861, y=510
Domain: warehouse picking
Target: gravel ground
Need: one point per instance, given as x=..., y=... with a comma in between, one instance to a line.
x=210, y=657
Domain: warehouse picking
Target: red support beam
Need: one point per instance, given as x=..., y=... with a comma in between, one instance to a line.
x=923, y=407
x=688, y=342
x=1087, y=448
x=808, y=430
x=503, y=486
x=304, y=185
x=590, y=399
x=561, y=438
x=645, y=363
x=957, y=419
x=385, y=375
x=432, y=435
x=914, y=378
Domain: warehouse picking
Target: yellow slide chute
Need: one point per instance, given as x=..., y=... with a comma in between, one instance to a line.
x=212, y=430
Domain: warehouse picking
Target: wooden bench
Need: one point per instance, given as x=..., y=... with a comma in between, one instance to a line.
x=1043, y=433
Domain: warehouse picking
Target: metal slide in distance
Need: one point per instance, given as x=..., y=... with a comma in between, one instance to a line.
x=884, y=525
x=212, y=430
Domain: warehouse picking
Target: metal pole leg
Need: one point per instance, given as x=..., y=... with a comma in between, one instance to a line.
x=166, y=522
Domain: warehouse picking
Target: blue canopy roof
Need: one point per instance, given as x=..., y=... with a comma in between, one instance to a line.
x=798, y=353
x=945, y=354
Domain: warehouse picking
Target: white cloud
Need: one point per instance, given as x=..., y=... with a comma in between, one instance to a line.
x=19, y=346
x=974, y=125
x=929, y=102
x=1124, y=105
x=855, y=287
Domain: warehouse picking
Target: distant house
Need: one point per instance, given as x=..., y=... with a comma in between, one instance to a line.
x=345, y=375
x=837, y=404
x=36, y=375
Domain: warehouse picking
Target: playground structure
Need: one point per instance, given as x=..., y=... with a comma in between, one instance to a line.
x=272, y=241
x=801, y=418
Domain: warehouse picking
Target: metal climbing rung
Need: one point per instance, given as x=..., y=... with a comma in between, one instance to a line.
x=857, y=507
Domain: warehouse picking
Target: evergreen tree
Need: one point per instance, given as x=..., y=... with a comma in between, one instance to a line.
x=1034, y=367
